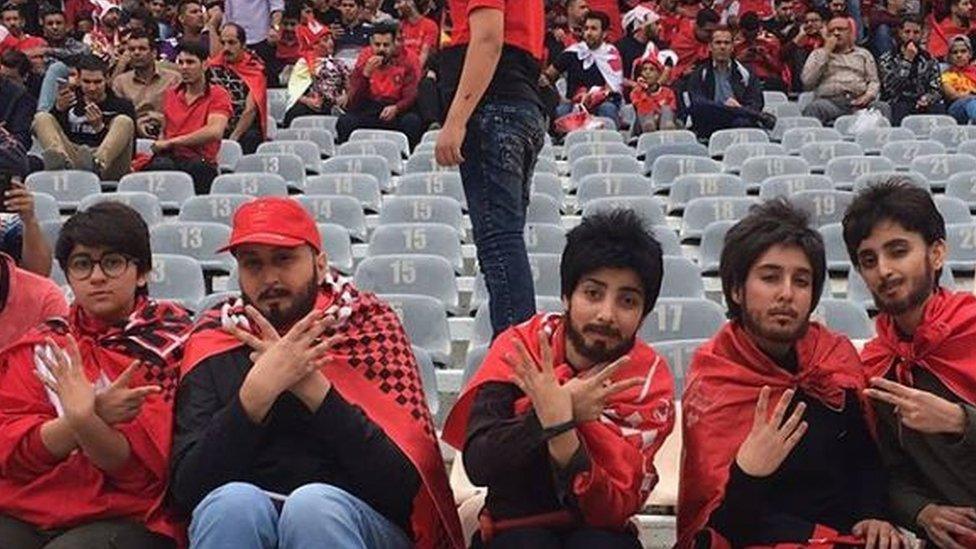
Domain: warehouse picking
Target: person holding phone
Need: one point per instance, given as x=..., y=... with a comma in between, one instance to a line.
x=21, y=236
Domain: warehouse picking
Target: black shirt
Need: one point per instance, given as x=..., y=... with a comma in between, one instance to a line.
x=516, y=77
x=80, y=132
x=17, y=106
x=630, y=50
x=576, y=76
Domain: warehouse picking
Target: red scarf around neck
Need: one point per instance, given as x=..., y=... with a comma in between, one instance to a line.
x=374, y=349
x=74, y=491
x=621, y=444
x=721, y=392
x=250, y=69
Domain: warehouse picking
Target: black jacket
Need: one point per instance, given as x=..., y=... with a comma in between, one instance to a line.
x=80, y=132
x=745, y=87
x=17, y=106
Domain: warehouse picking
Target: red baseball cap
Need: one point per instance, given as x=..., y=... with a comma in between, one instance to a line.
x=274, y=221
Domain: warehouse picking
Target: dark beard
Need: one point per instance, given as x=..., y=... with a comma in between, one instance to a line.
x=597, y=353
x=283, y=319
x=921, y=288
x=755, y=327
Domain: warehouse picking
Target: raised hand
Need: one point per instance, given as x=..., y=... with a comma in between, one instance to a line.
x=119, y=403
x=68, y=380
x=919, y=410
x=771, y=439
x=949, y=527
x=878, y=534
x=553, y=403
x=590, y=394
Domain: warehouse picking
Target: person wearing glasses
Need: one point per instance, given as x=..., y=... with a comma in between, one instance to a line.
x=86, y=401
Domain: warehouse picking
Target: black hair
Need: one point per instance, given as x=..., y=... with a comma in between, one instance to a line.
x=906, y=19
x=897, y=200
x=239, y=32
x=49, y=10
x=293, y=10
x=10, y=6
x=144, y=34
x=181, y=7
x=705, y=17
x=613, y=239
x=192, y=48
x=775, y=221
x=749, y=21
x=110, y=225
x=603, y=18
x=385, y=27
x=89, y=62
x=18, y=60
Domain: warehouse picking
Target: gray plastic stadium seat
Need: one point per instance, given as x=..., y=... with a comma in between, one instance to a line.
x=172, y=188
x=676, y=318
x=387, y=149
x=251, y=184
x=68, y=187
x=321, y=137
x=823, y=206
x=601, y=165
x=426, y=162
x=306, y=150
x=430, y=136
x=361, y=186
x=679, y=353
x=46, y=207
x=544, y=238
x=967, y=147
x=434, y=183
x=795, y=138
x=543, y=209
x=963, y=186
x=953, y=210
x=51, y=229
x=197, y=239
x=229, y=155
x=774, y=97
x=756, y=170
x=428, y=379
x=786, y=185
x=721, y=140
x=874, y=139
x=418, y=238
x=818, y=154
x=961, y=240
x=669, y=167
x=845, y=170
x=338, y=247
x=788, y=123
x=923, y=124
x=903, y=152
x=681, y=149
x=668, y=238
x=345, y=211
x=218, y=208
x=277, y=104
x=146, y=204
x=591, y=136
x=178, y=278
x=428, y=275
x=682, y=278
x=472, y=362
x=844, y=124
x=581, y=150
x=290, y=166
x=425, y=322
x=422, y=209
x=374, y=165
x=211, y=300
x=648, y=140
x=481, y=331
x=846, y=317
x=783, y=109
x=952, y=136
x=937, y=168
x=691, y=186
x=322, y=122
x=712, y=243
x=602, y=186
x=838, y=261
x=702, y=211
x=649, y=208
x=548, y=184
x=915, y=178
x=545, y=165
x=399, y=139
x=736, y=154
x=544, y=267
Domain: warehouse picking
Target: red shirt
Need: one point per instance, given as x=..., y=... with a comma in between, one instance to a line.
x=648, y=102
x=24, y=44
x=183, y=118
x=938, y=45
x=417, y=35
x=689, y=50
x=31, y=299
x=525, y=22
x=394, y=83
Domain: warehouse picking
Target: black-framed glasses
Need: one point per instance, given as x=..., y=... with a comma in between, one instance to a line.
x=112, y=264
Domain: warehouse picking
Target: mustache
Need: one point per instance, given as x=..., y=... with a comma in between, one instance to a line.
x=889, y=284
x=271, y=293
x=601, y=329
x=783, y=311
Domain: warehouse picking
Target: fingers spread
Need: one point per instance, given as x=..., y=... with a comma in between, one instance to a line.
x=794, y=439
x=126, y=376
x=884, y=396
x=892, y=386
x=780, y=411
x=623, y=385
x=267, y=330
x=607, y=372
x=762, y=405
x=793, y=420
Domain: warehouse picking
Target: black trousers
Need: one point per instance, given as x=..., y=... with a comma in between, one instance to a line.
x=272, y=65
x=541, y=538
x=104, y=534
x=301, y=109
x=408, y=123
x=202, y=172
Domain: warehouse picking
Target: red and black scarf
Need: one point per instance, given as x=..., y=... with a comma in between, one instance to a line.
x=373, y=367
x=250, y=69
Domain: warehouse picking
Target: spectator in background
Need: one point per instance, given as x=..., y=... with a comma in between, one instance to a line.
x=197, y=113
x=318, y=81
x=157, y=8
x=784, y=23
x=241, y=73
x=16, y=38
x=910, y=77
x=797, y=50
x=958, y=22
x=260, y=24
x=373, y=14
x=959, y=81
x=884, y=25
x=144, y=84
x=89, y=128
x=195, y=26
x=725, y=93
x=691, y=43
x=26, y=300
x=593, y=69
x=61, y=46
x=383, y=88
x=76, y=12
x=288, y=49
x=84, y=24
x=641, y=26
x=16, y=68
x=843, y=76
x=17, y=105
x=571, y=31
x=86, y=401
x=350, y=32
x=21, y=236
x=762, y=52
x=418, y=34
x=655, y=103
x=612, y=10
x=105, y=39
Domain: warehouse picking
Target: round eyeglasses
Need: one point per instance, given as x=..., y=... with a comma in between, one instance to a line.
x=112, y=264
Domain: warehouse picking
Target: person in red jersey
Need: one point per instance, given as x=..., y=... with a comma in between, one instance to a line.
x=959, y=21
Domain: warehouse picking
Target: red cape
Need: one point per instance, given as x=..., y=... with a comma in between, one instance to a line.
x=941, y=33
x=689, y=50
x=51, y=494
x=250, y=69
x=621, y=445
x=374, y=349
x=722, y=388
x=942, y=344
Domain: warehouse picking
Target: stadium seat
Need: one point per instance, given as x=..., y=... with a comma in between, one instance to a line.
x=682, y=278
x=576, y=137
x=51, y=229
x=146, y=204
x=736, y=154
x=211, y=300
x=473, y=359
x=963, y=186
x=481, y=331
x=675, y=318
x=177, y=278
x=197, y=239
x=418, y=238
x=548, y=184
x=668, y=238
x=338, y=247
x=681, y=149
x=362, y=186
x=289, y=166
x=544, y=274
x=602, y=186
x=399, y=139
x=428, y=379
x=691, y=186
x=923, y=124
x=756, y=170
x=68, y=187
x=845, y=170
x=915, y=178
x=320, y=122
x=543, y=209
x=387, y=149
x=961, y=240
x=277, y=104
x=783, y=109
x=229, y=155
x=786, y=185
x=774, y=97
x=903, y=152
x=345, y=211
x=430, y=136
x=712, y=243
x=669, y=167
x=823, y=206
x=937, y=168
x=545, y=165
x=308, y=151
x=371, y=164
x=544, y=238
x=721, y=140
x=428, y=275
x=252, y=184
x=434, y=183
x=647, y=140
x=702, y=211
x=846, y=317
x=602, y=165
x=426, y=162
x=649, y=208
x=425, y=322
x=795, y=138
x=598, y=148
x=845, y=124
x=171, y=188
x=218, y=208
x=46, y=207
x=818, y=154
x=838, y=260
x=873, y=140
x=953, y=210
x=952, y=136
x=422, y=209
x=323, y=138
x=789, y=123
x=678, y=353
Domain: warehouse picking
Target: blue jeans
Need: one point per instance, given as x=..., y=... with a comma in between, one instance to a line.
x=607, y=109
x=500, y=149
x=241, y=516
x=49, y=86
x=963, y=110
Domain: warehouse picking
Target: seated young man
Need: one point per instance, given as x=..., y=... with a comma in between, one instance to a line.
x=921, y=362
x=86, y=402
x=300, y=419
x=563, y=418
x=777, y=449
